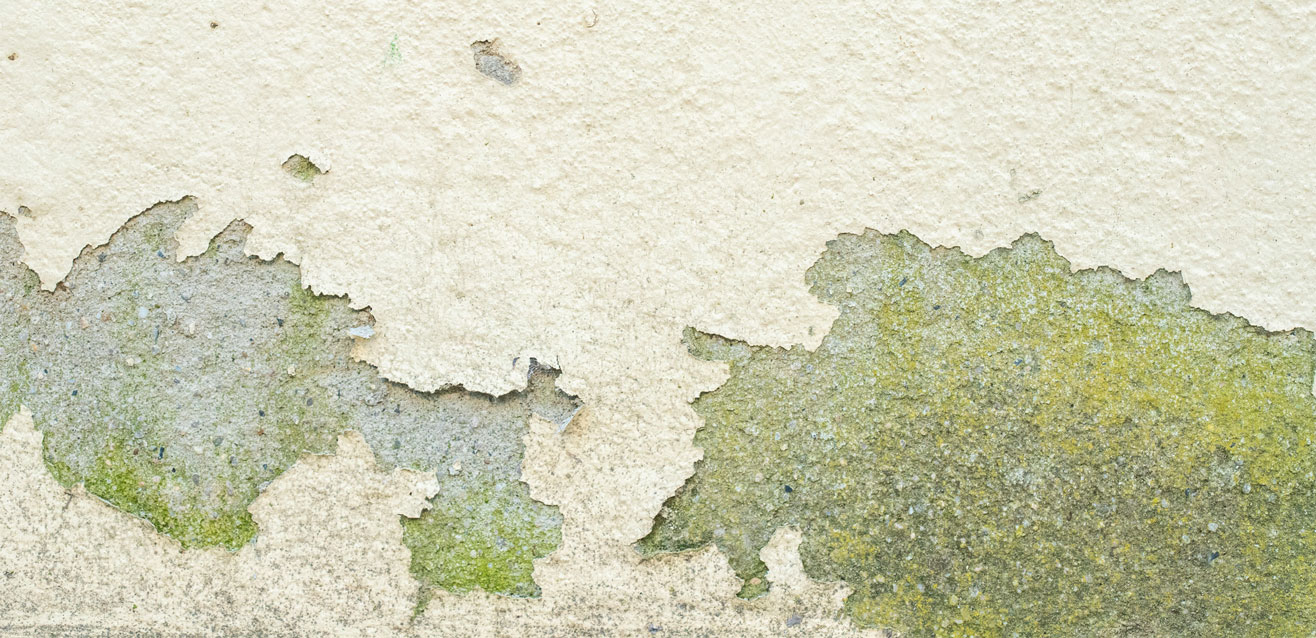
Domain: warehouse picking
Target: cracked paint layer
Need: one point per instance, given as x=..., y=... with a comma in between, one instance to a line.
x=1000, y=446
x=177, y=391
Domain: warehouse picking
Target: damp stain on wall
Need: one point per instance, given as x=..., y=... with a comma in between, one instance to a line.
x=176, y=391
x=1000, y=446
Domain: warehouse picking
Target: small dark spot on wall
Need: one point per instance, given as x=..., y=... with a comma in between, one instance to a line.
x=13, y=56
x=214, y=25
x=491, y=62
x=1030, y=196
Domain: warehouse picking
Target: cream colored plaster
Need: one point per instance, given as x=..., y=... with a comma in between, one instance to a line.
x=328, y=558
x=655, y=166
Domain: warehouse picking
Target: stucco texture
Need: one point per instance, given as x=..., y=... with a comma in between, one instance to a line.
x=650, y=167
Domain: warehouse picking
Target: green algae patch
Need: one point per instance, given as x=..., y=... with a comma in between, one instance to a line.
x=999, y=446
x=496, y=555
x=177, y=390
x=302, y=168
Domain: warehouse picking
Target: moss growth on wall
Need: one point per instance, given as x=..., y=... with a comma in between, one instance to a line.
x=999, y=446
x=177, y=391
x=302, y=168
x=495, y=554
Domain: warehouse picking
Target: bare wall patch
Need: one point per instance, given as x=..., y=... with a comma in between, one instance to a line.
x=177, y=390
x=999, y=446
x=302, y=168
x=490, y=61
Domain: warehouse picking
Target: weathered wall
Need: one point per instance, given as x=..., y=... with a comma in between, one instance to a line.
x=578, y=183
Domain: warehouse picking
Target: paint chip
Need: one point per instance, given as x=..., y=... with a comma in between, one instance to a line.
x=302, y=168
x=492, y=63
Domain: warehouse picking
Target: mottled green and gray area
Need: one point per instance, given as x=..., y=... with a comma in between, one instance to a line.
x=302, y=168
x=997, y=446
x=177, y=391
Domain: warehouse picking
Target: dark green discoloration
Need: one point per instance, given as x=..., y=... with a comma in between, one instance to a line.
x=177, y=390
x=999, y=447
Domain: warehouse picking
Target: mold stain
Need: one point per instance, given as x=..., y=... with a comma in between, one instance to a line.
x=302, y=168
x=176, y=391
x=999, y=446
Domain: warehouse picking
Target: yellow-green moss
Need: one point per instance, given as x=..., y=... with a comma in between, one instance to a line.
x=1001, y=447
x=302, y=168
x=482, y=538
x=137, y=490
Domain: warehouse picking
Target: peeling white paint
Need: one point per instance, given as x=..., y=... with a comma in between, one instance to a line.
x=656, y=166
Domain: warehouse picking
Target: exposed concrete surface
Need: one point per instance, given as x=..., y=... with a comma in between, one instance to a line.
x=177, y=390
x=655, y=167
x=329, y=533
x=999, y=446
x=329, y=560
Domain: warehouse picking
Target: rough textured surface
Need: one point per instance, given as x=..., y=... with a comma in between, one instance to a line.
x=329, y=560
x=178, y=390
x=329, y=532
x=645, y=174
x=490, y=61
x=998, y=446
